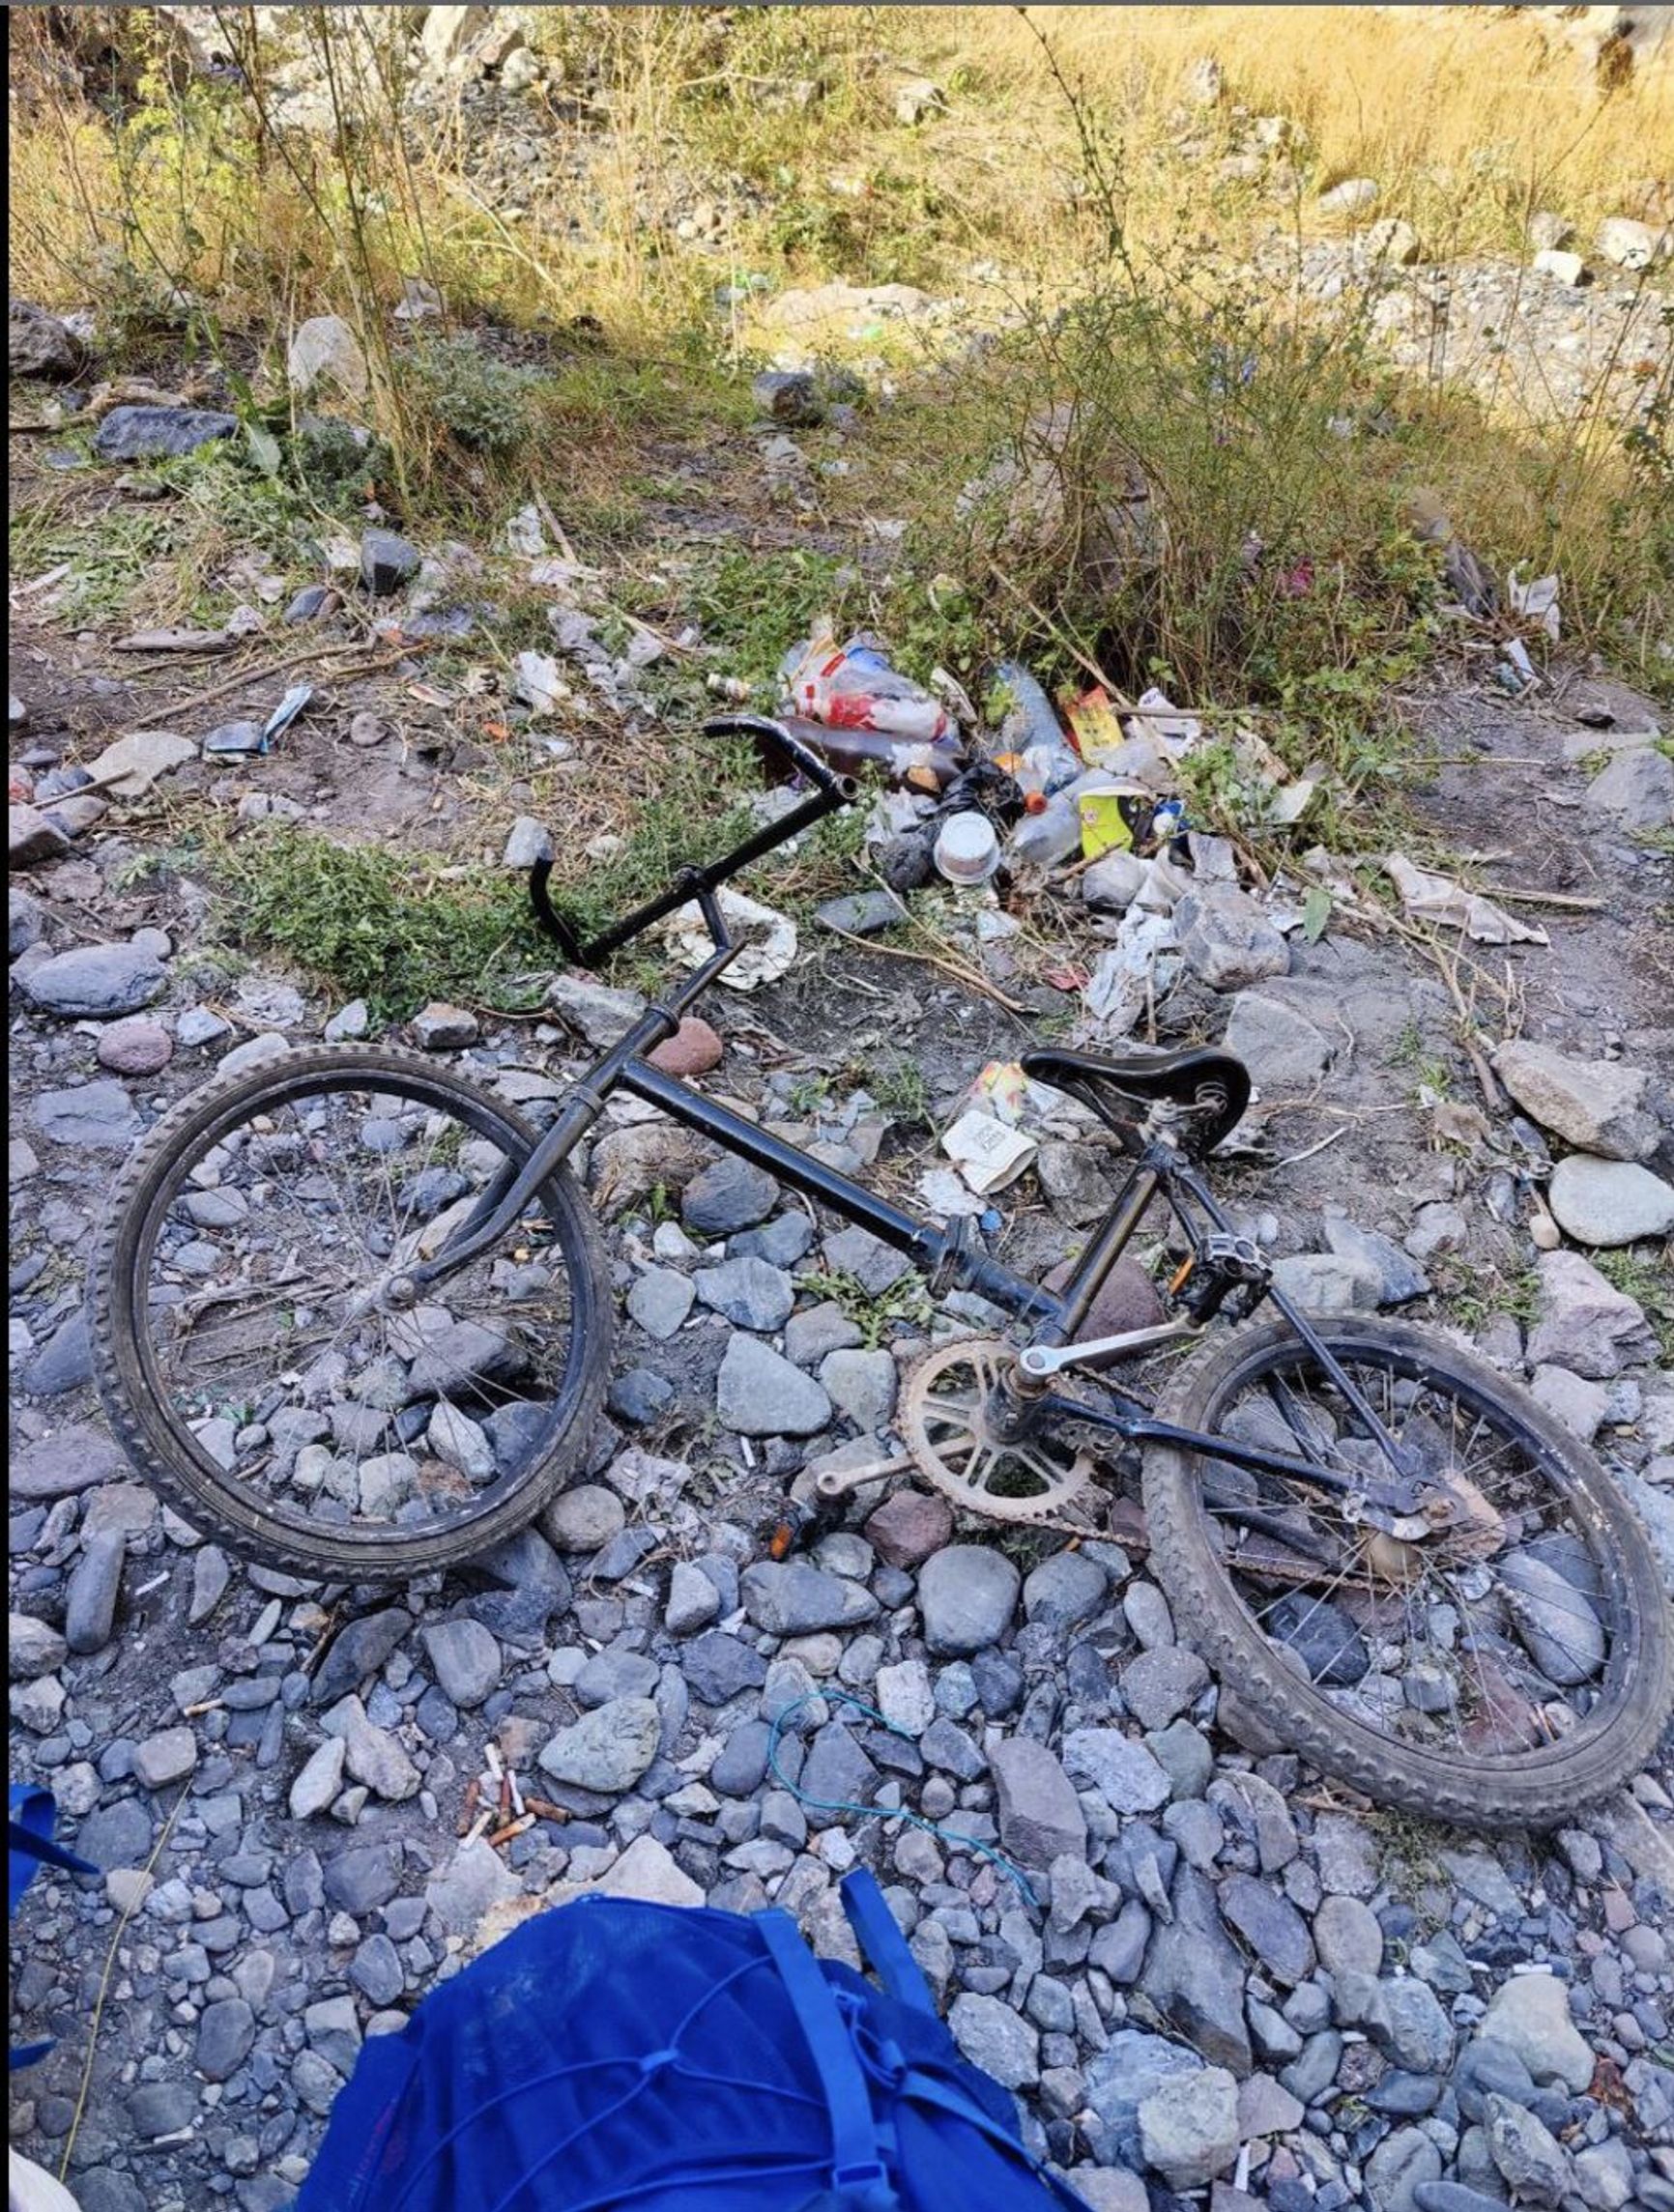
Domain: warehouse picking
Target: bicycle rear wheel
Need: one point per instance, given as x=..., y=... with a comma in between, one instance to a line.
x=1498, y=1674
x=249, y=1366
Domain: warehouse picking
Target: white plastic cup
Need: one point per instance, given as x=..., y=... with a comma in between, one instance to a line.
x=967, y=851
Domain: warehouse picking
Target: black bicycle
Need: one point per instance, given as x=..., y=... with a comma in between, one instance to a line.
x=352, y=1314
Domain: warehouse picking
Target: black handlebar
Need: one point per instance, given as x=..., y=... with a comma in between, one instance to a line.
x=832, y=792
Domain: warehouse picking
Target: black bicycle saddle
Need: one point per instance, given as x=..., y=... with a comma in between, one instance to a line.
x=1217, y=1084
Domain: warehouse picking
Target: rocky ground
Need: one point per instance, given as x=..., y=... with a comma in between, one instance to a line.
x=1225, y=1975
x=1229, y=1972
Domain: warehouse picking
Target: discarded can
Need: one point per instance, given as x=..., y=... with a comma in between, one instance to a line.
x=967, y=851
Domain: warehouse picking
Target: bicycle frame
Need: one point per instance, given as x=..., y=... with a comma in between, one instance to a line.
x=942, y=1254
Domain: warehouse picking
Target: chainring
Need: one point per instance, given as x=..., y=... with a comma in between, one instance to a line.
x=1036, y=1482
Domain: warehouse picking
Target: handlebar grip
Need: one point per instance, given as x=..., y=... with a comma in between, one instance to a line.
x=840, y=789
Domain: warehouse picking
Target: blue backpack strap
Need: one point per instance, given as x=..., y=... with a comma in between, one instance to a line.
x=921, y=2087
x=858, y=2171
x=882, y=1944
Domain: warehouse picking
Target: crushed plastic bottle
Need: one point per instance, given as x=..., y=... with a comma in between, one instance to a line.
x=1032, y=745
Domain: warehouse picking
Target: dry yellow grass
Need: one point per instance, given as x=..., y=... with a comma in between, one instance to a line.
x=1462, y=110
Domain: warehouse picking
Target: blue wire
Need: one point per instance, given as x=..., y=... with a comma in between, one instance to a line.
x=1013, y=1874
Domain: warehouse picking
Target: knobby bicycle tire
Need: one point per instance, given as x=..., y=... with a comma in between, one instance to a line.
x=187, y=1477
x=1542, y=1789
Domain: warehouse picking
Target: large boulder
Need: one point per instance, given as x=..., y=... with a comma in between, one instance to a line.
x=1598, y=1106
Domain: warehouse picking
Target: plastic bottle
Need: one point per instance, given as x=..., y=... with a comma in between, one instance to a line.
x=916, y=767
x=1031, y=742
x=1043, y=839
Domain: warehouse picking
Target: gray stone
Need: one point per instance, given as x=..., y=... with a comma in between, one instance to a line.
x=1637, y=787
x=39, y=345
x=90, y=1601
x=1580, y=1405
x=1065, y=1589
x=1348, y=1936
x=660, y=1301
x=758, y=1393
x=861, y=1384
x=1399, y=1276
x=863, y=914
x=465, y=1658
x=1120, y=1949
x=597, y=1011
x=607, y=1750
x=1530, y=2015
x=718, y=1666
x=1405, y=2021
x=473, y=1879
x=1189, y=2127
x=161, y=2107
x=1226, y=938
x=376, y=1970
x=728, y=1195
x=1271, y=1925
x=1121, y=1771
x=998, y=2040
x=64, y=1362
x=1328, y=1283
x=616, y=1673
x=1194, y=1976
x=1628, y=244
x=1583, y=1322
x=157, y=433
x=693, y=1601
x=316, y=1787
x=1120, y=2078
x=1352, y=198
x=360, y=1650
x=749, y=1293
x=325, y=351
x=1159, y=1686
x=372, y=1755
x=225, y=2033
x=1040, y=1817
x=1531, y=2159
x=1606, y=1201
x=134, y=1047
x=32, y=837
x=167, y=1757
x=792, y=1597
x=33, y=1648
x=387, y=560
x=1283, y=1051
x=95, y=1117
x=837, y=1771
x=966, y=1597
x=584, y=1520
x=1601, y=1107
x=788, y=396
x=1555, y=1621
x=96, y=979
x=1402, y=2161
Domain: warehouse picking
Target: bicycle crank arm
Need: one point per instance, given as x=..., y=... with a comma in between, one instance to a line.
x=834, y=1482
x=1385, y=1494
x=1041, y=1362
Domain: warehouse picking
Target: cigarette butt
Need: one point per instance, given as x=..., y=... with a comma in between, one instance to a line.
x=503, y=1835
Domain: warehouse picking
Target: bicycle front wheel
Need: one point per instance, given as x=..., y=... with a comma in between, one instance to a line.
x=253, y=1371
x=1500, y=1673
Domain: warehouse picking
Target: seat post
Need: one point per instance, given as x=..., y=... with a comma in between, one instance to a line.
x=1115, y=1233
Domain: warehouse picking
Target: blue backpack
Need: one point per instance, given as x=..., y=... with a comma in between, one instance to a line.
x=31, y=1816
x=615, y=2054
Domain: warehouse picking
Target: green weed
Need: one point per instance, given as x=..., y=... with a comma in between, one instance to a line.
x=905, y=1303
x=369, y=924
x=1644, y=1276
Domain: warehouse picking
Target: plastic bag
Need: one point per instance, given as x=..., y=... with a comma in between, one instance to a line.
x=853, y=687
